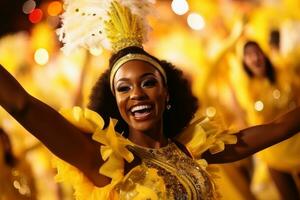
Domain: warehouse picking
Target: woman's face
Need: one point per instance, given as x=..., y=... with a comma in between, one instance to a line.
x=141, y=95
x=255, y=60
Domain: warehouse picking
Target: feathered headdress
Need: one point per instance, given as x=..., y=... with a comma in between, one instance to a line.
x=112, y=24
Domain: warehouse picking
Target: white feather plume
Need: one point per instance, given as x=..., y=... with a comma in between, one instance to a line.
x=83, y=22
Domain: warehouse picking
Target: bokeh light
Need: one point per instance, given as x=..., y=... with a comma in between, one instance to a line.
x=211, y=111
x=196, y=21
x=96, y=51
x=35, y=16
x=180, y=7
x=41, y=56
x=259, y=105
x=276, y=94
x=54, y=8
x=28, y=6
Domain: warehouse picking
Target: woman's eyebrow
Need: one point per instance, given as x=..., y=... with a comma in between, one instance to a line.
x=142, y=76
x=122, y=79
x=147, y=74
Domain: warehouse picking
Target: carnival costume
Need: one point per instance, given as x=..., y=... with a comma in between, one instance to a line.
x=164, y=173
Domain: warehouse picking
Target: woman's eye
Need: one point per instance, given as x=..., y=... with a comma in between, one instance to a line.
x=123, y=88
x=149, y=83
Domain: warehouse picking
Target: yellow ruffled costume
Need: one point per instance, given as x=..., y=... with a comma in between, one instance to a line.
x=143, y=181
x=263, y=104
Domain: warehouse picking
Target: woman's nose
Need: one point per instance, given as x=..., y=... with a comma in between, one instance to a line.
x=138, y=94
x=257, y=56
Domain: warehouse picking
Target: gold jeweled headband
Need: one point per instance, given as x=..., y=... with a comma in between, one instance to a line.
x=129, y=57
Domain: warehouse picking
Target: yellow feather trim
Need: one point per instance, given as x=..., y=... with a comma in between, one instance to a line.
x=83, y=188
x=113, y=150
x=206, y=134
x=83, y=118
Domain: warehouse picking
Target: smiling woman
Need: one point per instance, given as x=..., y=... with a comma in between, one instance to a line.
x=179, y=98
x=155, y=149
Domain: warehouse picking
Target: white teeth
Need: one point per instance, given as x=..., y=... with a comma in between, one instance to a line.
x=140, y=107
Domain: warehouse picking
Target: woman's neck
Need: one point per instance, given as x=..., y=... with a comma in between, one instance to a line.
x=150, y=140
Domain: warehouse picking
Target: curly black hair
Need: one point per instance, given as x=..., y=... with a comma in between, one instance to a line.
x=270, y=71
x=183, y=103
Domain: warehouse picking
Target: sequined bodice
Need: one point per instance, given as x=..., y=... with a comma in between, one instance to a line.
x=184, y=178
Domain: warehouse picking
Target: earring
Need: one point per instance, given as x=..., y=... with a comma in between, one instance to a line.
x=168, y=106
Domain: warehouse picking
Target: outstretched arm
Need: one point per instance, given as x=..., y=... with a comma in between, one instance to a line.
x=256, y=138
x=61, y=137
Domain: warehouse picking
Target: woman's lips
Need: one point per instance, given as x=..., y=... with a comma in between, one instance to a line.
x=141, y=112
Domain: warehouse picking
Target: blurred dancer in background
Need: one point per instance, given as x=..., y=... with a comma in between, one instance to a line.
x=270, y=91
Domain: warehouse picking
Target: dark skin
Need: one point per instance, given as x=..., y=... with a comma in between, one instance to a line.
x=64, y=139
x=137, y=84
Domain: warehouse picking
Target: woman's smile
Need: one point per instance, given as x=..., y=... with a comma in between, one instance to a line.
x=141, y=112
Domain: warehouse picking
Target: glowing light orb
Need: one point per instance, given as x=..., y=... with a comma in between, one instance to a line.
x=96, y=51
x=276, y=94
x=180, y=7
x=41, y=56
x=28, y=6
x=54, y=8
x=258, y=105
x=211, y=111
x=35, y=16
x=196, y=21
